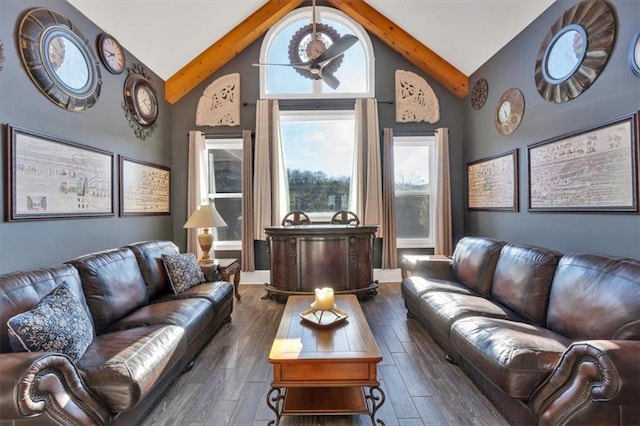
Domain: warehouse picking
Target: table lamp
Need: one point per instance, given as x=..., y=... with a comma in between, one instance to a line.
x=205, y=217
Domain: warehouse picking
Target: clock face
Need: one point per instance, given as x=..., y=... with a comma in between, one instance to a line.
x=141, y=100
x=504, y=112
x=144, y=100
x=111, y=53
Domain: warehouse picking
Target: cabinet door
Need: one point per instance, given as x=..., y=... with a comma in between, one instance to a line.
x=323, y=262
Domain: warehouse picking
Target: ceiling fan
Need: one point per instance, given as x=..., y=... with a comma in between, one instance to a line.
x=316, y=51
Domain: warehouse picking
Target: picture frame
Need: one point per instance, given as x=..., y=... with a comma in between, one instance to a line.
x=145, y=188
x=492, y=183
x=593, y=170
x=50, y=178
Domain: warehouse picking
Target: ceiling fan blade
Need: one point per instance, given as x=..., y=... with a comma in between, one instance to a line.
x=336, y=49
x=330, y=79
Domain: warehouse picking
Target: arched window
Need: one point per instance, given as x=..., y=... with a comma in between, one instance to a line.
x=288, y=41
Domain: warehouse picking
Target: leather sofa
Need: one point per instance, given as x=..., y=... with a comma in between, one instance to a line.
x=550, y=338
x=145, y=336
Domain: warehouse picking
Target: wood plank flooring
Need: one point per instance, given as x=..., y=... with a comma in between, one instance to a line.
x=231, y=377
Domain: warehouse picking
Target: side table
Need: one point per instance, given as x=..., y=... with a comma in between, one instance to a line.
x=230, y=267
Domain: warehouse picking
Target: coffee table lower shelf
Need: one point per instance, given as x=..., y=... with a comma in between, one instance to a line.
x=327, y=401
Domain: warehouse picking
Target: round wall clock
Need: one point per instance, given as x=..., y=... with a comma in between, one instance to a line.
x=111, y=53
x=509, y=111
x=59, y=59
x=479, y=93
x=303, y=48
x=575, y=51
x=140, y=102
x=634, y=54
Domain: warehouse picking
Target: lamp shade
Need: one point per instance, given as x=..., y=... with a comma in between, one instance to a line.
x=205, y=216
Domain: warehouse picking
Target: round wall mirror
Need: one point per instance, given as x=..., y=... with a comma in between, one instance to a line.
x=634, y=54
x=575, y=51
x=59, y=60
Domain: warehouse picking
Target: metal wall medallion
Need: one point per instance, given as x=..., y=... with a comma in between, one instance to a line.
x=634, y=54
x=575, y=51
x=479, y=93
x=59, y=60
x=303, y=48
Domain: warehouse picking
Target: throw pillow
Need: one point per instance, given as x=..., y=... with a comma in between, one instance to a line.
x=183, y=271
x=58, y=323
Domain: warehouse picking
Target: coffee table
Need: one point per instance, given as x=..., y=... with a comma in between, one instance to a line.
x=324, y=370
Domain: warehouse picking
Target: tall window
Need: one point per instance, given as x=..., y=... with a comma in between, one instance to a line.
x=318, y=157
x=225, y=189
x=413, y=170
x=286, y=42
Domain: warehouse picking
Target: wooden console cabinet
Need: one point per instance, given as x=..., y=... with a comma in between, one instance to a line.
x=305, y=257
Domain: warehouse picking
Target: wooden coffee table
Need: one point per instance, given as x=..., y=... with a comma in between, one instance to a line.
x=324, y=370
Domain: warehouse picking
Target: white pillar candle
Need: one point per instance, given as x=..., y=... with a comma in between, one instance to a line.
x=324, y=299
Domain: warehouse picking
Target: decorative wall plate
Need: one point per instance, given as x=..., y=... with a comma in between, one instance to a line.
x=634, y=54
x=575, y=51
x=479, y=93
x=140, y=102
x=509, y=111
x=59, y=59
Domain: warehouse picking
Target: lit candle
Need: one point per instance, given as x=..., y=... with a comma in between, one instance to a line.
x=324, y=299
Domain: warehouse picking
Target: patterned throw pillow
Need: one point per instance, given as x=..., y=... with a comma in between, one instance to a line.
x=58, y=323
x=183, y=271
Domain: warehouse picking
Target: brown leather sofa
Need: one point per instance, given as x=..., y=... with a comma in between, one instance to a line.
x=550, y=338
x=145, y=336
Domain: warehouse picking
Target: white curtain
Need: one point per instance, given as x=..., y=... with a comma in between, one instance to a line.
x=366, y=185
x=198, y=193
x=443, y=238
x=270, y=190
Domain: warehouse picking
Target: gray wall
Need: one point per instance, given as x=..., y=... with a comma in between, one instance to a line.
x=615, y=93
x=387, y=62
x=25, y=245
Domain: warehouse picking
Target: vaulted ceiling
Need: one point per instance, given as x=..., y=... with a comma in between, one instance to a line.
x=185, y=41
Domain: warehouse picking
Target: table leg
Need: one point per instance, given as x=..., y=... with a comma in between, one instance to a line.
x=275, y=402
x=374, y=402
x=236, y=283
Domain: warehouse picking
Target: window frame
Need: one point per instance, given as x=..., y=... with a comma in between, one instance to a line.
x=430, y=142
x=220, y=142
x=341, y=114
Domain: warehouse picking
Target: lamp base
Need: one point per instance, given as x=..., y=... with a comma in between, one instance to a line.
x=205, y=240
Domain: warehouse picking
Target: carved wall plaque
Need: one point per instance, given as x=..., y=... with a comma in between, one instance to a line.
x=219, y=104
x=415, y=99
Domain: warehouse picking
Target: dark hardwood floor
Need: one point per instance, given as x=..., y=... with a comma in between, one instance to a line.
x=230, y=379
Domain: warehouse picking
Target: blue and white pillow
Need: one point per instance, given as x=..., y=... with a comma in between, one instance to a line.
x=58, y=323
x=183, y=271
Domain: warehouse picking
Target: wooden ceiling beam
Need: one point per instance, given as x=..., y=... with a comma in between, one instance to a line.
x=406, y=45
x=225, y=49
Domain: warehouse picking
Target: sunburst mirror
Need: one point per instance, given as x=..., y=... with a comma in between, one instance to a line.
x=575, y=51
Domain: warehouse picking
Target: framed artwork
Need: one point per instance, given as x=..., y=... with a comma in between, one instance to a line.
x=145, y=188
x=590, y=171
x=493, y=183
x=48, y=178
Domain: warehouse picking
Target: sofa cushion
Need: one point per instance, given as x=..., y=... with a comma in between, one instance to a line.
x=474, y=262
x=219, y=293
x=58, y=323
x=515, y=357
x=193, y=314
x=21, y=291
x=149, y=256
x=124, y=366
x=522, y=280
x=112, y=284
x=414, y=287
x=183, y=271
x=595, y=297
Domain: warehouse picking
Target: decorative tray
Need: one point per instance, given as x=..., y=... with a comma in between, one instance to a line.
x=324, y=318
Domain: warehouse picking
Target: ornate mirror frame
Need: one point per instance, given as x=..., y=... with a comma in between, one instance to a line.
x=594, y=21
x=634, y=54
x=59, y=60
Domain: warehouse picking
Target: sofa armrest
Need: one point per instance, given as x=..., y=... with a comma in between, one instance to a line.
x=436, y=267
x=603, y=373
x=34, y=384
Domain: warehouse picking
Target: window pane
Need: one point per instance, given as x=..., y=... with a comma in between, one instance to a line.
x=318, y=156
x=412, y=216
x=226, y=165
x=231, y=211
x=411, y=167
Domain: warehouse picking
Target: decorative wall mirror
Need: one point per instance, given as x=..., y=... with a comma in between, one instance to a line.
x=634, y=54
x=575, y=51
x=59, y=60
